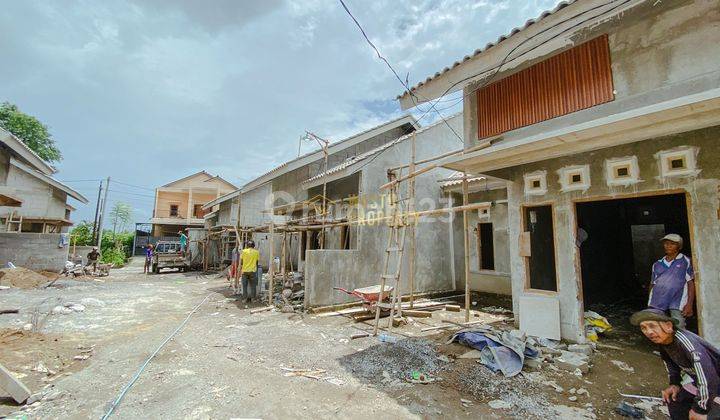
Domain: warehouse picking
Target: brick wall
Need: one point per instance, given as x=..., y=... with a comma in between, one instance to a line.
x=36, y=251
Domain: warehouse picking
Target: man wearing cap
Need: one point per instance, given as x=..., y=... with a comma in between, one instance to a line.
x=693, y=366
x=672, y=287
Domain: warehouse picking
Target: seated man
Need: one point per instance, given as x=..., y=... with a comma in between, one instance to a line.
x=685, y=355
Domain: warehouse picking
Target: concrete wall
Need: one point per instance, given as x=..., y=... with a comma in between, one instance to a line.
x=702, y=191
x=36, y=251
x=651, y=48
x=40, y=200
x=363, y=266
x=490, y=281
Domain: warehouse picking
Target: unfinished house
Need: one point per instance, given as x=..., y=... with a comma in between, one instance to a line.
x=283, y=186
x=356, y=247
x=603, y=119
x=179, y=204
x=34, y=208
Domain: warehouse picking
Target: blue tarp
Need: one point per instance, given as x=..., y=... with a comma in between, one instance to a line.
x=502, y=352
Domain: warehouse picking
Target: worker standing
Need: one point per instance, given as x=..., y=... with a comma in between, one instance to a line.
x=148, y=258
x=248, y=271
x=92, y=258
x=693, y=366
x=673, y=287
x=183, y=242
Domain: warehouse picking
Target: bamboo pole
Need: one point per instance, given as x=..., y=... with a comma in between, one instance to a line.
x=466, y=239
x=411, y=225
x=271, y=268
x=420, y=162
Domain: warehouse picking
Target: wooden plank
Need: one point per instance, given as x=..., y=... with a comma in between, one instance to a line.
x=524, y=244
x=19, y=392
x=453, y=308
x=416, y=313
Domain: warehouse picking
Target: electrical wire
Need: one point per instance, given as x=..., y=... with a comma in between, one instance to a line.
x=144, y=365
x=132, y=185
x=397, y=76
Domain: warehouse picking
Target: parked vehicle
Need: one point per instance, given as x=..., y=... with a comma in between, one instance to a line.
x=167, y=254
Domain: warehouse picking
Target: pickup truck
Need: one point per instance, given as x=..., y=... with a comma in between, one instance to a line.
x=167, y=255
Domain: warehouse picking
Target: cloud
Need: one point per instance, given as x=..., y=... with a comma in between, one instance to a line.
x=148, y=91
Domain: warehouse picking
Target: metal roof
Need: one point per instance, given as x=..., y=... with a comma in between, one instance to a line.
x=317, y=154
x=500, y=39
x=24, y=151
x=370, y=153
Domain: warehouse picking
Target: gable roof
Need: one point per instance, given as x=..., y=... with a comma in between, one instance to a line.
x=19, y=148
x=341, y=169
x=557, y=27
x=338, y=146
x=208, y=178
x=48, y=179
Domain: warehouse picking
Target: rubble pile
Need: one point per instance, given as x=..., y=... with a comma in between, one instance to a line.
x=21, y=278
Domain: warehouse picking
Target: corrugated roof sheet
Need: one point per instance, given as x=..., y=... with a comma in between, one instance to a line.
x=459, y=175
x=500, y=39
x=283, y=165
x=370, y=153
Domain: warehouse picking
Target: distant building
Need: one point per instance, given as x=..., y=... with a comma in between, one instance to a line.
x=179, y=204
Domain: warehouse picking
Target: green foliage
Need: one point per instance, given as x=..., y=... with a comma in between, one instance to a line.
x=30, y=130
x=121, y=241
x=113, y=255
x=82, y=234
x=120, y=215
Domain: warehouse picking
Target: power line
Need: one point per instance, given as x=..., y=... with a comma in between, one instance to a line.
x=135, y=186
x=397, y=76
x=132, y=193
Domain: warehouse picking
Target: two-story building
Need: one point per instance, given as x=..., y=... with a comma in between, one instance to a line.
x=34, y=209
x=179, y=204
x=603, y=118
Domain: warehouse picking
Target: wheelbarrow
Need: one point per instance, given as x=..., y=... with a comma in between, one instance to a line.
x=369, y=295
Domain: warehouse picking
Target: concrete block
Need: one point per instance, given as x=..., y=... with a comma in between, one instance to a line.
x=571, y=362
x=540, y=316
x=581, y=348
x=12, y=386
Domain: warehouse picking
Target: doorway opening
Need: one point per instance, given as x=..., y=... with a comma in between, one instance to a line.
x=619, y=241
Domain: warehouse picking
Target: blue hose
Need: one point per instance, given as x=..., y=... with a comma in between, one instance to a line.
x=142, y=368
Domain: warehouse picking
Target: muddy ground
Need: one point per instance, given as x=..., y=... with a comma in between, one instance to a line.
x=229, y=363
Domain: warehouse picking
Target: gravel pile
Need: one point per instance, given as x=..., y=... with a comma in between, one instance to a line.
x=524, y=396
x=398, y=360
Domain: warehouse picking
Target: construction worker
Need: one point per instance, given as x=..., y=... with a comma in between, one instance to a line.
x=672, y=288
x=183, y=242
x=148, y=258
x=92, y=258
x=693, y=366
x=248, y=271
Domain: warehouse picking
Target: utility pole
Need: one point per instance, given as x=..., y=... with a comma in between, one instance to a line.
x=95, y=220
x=102, y=214
x=324, y=145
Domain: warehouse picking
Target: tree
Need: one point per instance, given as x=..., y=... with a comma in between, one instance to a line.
x=121, y=214
x=30, y=131
x=82, y=233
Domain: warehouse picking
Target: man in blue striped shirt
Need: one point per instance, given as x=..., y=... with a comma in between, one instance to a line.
x=693, y=366
x=673, y=287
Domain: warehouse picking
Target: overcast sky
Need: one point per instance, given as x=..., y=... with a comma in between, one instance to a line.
x=148, y=91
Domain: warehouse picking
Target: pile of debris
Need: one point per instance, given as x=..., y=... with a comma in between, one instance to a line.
x=22, y=278
x=288, y=293
x=508, y=351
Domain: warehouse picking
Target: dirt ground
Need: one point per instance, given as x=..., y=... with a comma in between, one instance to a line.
x=229, y=363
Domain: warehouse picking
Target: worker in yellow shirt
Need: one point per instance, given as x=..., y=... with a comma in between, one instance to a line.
x=248, y=271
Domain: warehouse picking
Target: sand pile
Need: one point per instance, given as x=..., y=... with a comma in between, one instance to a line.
x=21, y=278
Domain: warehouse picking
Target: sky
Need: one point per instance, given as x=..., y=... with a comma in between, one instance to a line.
x=149, y=91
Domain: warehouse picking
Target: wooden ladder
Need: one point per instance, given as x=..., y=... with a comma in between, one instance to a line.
x=393, y=252
x=10, y=221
